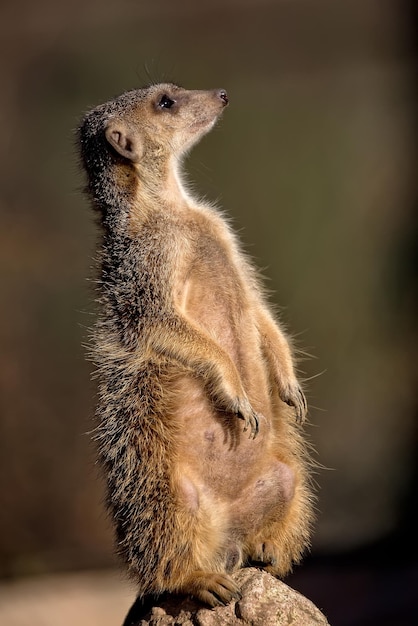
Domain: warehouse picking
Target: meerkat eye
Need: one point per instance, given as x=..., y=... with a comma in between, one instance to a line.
x=166, y=102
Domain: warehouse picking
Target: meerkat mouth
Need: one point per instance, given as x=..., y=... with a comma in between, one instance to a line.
x=206, y=124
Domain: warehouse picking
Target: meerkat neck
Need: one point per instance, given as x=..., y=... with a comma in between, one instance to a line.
x=164, y=188
x=131, y=194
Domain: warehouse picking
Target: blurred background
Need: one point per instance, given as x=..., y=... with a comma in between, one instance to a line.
x=315, y=161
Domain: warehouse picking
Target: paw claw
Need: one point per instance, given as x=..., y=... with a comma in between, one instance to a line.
x=265, y=553
x=245, y=412
x=214, y=589
x=294, y=397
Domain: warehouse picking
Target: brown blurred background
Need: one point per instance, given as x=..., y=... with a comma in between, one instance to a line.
x=314, y=160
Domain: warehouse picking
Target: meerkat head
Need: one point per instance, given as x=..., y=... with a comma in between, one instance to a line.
x=135, y=138
x=164, y=120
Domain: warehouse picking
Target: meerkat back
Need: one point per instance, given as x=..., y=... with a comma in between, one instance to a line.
x=200, y=411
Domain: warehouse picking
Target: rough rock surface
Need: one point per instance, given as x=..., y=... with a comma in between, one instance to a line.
x=265, y=602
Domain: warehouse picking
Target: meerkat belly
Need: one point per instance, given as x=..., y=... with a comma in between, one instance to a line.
x=220, y=471
x=212, y=449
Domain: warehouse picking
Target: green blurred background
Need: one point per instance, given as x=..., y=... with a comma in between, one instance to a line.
x=314, y=160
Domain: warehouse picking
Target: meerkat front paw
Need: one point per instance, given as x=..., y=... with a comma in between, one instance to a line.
x=293, y=395
x=240, y=406
x=243, y=409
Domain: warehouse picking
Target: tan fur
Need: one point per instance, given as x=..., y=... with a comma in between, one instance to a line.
x=206, y=467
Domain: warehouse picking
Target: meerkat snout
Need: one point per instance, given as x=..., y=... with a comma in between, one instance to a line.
x=221, y=93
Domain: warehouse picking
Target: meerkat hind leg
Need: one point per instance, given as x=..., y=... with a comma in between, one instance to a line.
x=276, y=543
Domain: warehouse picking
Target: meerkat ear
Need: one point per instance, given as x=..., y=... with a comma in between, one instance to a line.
x=123, y=140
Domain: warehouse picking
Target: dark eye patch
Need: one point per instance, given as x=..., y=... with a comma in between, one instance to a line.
x=166, y=102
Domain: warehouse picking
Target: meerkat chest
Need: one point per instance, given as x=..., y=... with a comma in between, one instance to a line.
x=212, y=291
x=211, y=279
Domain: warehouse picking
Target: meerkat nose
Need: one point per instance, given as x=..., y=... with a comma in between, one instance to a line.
x=221, y=93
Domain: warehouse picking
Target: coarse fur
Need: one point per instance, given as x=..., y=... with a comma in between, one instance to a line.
x=199, y=406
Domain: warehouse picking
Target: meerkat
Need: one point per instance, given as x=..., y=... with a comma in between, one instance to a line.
x=199, y=406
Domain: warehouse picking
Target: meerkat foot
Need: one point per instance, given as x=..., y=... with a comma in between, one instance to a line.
x=265, y=553
x=212, y=588
x=293, y=395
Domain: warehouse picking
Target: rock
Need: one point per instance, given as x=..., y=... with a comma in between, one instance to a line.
x=265, y=601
